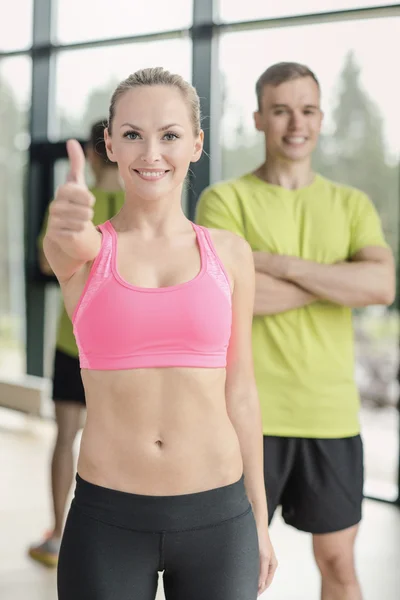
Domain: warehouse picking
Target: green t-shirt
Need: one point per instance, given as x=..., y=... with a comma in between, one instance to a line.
x=106, y=206
x=303, y=358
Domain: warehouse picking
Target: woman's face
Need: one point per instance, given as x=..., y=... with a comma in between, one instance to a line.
x=153, y=140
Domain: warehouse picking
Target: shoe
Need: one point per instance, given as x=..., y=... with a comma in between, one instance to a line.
x=46, y=552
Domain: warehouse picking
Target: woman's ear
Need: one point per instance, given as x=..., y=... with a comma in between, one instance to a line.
x=198, y=147
x=109, y=146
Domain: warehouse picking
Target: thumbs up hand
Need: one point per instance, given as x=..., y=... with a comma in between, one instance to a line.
x=76, y=163
x=71, y=210
x=70, y=226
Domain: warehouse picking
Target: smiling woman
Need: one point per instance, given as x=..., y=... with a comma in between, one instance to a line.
x=162, y=313
x=161, y=145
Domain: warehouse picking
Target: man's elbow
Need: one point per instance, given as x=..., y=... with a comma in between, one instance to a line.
x=387, y=296
x=385, y=290
x=389, y=290
x=384, y=296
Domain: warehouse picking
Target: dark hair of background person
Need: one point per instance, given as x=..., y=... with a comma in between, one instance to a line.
x=281, y=73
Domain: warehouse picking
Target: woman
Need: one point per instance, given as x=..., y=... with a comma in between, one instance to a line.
x=170, y=473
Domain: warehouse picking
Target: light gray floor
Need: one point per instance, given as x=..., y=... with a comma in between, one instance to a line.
x=24, y=516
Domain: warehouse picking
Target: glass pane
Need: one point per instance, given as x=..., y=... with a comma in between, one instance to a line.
x=359, y=146
x=101, y=19
x=15, y=88
x=231, y=11
x=85, y=79
x=16, y=25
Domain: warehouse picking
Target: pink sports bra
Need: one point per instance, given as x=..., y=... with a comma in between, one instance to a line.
x=122, y=326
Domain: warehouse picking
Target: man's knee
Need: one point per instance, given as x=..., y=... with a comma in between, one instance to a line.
x=337, y=567
x=334, y=554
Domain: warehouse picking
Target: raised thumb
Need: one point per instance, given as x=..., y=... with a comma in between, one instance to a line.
x=76, y=157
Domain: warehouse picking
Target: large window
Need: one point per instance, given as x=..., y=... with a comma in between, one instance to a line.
x=359, y=146
x=232, y=10
x=85, y=79
x=100, y=19
x=15, y=83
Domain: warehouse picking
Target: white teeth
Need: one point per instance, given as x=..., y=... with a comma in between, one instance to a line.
x=296, y=140
x=151, y=173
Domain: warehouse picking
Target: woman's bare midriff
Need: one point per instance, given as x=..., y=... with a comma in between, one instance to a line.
x=158, y=431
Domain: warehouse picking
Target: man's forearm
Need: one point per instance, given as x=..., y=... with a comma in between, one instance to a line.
x=352, y=284
x=275, y=296
x=369, y=279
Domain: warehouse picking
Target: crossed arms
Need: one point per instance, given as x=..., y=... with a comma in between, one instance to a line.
x=286, y=282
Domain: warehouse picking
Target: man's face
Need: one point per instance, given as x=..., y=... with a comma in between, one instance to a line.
x=290, y=118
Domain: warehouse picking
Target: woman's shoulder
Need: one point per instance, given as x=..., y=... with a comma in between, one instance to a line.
x=225, y=238
x=233, y=250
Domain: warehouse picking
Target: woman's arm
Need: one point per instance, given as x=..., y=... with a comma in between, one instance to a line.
x=242, y=401
x=71, y=239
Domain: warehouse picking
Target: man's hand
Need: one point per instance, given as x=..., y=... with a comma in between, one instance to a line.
x=268, y=562
x=276, y=265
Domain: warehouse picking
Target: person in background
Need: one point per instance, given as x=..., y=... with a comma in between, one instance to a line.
x=318, y=251
x=68, y=392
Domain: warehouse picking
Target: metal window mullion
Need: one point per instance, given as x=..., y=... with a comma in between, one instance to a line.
x=203, y=61
x=39, y=176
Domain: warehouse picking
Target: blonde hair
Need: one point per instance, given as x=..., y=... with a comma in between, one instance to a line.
x=159, y=76
x=280, y=73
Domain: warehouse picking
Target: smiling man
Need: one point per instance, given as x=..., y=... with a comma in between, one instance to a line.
x=318, y=251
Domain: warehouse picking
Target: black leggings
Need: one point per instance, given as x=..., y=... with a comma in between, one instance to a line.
x=115, y=543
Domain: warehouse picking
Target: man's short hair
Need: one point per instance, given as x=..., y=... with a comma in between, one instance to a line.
x=280, y=73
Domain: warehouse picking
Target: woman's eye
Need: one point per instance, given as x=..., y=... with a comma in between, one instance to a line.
x=170, y=136
x=131, y=135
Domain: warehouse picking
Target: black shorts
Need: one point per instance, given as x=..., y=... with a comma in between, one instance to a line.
x=67, y=380
x=115, y=544
x=318, y=482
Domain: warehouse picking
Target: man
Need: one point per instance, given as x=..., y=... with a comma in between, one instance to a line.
x=318, y=252
x=68, y=392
